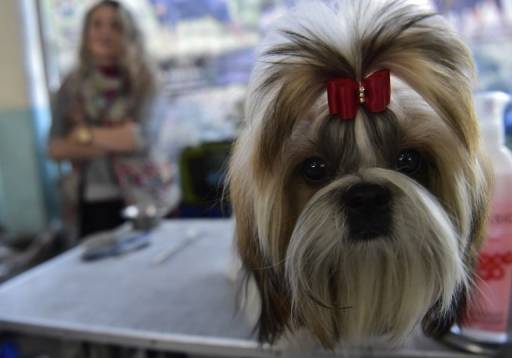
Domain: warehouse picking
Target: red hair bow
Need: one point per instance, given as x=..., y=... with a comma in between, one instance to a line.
x=345, y=94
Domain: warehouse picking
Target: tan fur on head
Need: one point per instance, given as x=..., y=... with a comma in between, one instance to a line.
x=293, y=237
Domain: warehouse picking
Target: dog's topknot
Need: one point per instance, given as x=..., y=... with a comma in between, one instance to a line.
x=353, y=38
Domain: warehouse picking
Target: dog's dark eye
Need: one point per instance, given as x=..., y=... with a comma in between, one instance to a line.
x=315, y=170
x=409, y=162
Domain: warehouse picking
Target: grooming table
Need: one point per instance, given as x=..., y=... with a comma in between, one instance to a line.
x=151, y=298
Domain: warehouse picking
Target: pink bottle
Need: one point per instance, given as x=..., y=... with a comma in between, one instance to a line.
x=489, y=309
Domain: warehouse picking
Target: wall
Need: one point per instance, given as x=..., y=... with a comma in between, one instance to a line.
x=23, y=121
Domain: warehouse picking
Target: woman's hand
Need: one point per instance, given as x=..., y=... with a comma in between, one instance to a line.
x=119, y=139
x=68, y=149
x=82, y=134
x=87, y=142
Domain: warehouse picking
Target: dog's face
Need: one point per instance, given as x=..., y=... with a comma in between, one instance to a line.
x=360, y=228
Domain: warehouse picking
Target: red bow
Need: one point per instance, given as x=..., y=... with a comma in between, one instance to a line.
x=344, y=94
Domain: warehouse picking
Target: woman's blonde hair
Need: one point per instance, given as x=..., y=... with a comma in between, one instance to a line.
x=134, y=60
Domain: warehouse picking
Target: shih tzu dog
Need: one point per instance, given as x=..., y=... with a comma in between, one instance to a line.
x=358, y=185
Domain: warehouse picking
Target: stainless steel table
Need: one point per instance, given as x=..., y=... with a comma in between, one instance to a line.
x=185, y=303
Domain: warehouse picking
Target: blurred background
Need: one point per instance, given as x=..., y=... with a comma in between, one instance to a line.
x=204, y=50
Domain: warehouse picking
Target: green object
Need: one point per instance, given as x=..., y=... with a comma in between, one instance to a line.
x=508, y=142
x=202, y=172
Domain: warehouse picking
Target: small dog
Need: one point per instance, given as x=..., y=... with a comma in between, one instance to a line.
x=358, y=185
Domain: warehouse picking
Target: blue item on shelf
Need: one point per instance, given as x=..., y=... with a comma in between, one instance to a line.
x=174, y=11
x=508, y=120
x=9, y=349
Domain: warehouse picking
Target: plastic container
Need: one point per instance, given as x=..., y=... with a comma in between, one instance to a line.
x=487, y=320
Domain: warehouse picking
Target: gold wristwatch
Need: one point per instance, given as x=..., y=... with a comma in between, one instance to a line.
x=84, y=135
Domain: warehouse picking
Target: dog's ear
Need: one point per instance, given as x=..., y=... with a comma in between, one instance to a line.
x=436, y=325
x=275, y=301
x=481, y=184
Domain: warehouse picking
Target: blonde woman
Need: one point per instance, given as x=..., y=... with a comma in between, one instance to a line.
x=104, y=113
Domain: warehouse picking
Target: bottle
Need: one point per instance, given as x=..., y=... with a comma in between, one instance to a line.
x=487, y=319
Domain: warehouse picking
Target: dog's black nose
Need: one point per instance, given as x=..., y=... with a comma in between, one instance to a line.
x=368, y=210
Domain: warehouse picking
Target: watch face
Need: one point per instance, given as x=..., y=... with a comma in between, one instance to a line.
x=84, y=135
